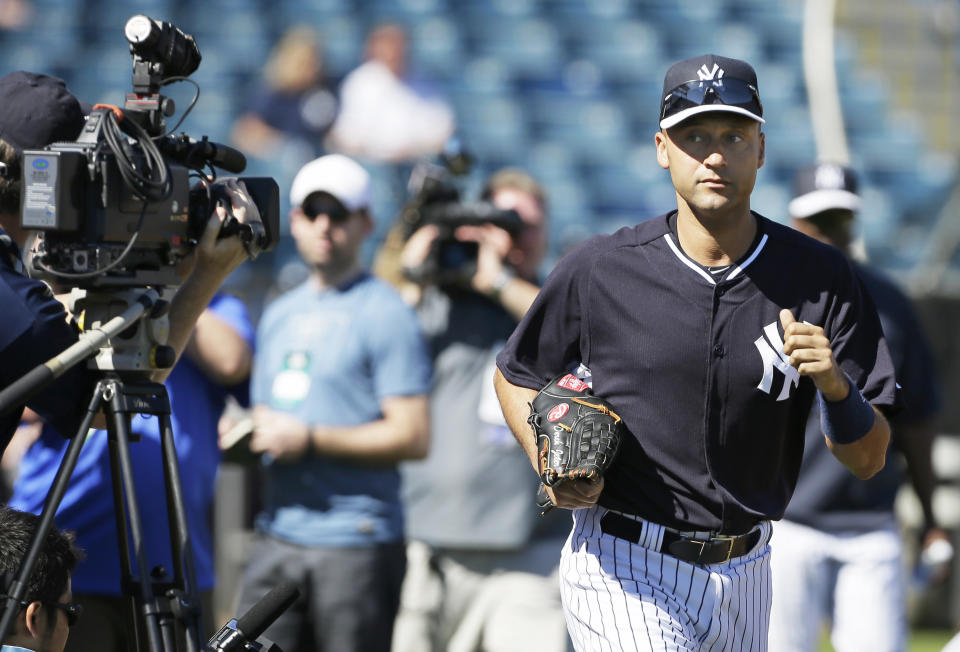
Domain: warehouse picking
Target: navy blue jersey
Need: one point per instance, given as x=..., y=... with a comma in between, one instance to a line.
x=34, y=329
x=827, y=496
x=694, y=365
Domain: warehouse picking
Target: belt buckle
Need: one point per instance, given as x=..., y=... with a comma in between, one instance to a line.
x=730, y=541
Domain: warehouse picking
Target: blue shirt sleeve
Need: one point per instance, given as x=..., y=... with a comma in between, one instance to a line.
x=401, y=362
x=234, y=313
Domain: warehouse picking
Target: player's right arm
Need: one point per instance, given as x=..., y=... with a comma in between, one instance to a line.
x=515, y=403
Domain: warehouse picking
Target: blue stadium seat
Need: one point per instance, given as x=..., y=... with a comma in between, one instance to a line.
x=770, y=200
x=482, y=76
x=494, y=129
x=864, y=99
x=473, y=9
x=615, y=189
x=781, y=85
x=876, y=222
x=528, y=47
x=342, y=40
x=51, y=38
x=678, y=13
x=235, y=37
x=436, y=47
x=102, y=75
x=405, y=11
x=22, y=55
x=578, y=9
x=122, y=10
x=738, y=41
x=700, y=36
x=551, y=163
x=625, y=51
x=790, y=144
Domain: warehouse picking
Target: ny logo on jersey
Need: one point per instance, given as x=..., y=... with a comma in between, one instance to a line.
x=774, y=358
x=714, y=75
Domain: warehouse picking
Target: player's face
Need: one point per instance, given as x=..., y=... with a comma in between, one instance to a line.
x=329, y=242
x=713, y=160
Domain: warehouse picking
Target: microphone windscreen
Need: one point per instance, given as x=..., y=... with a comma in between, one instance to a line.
x=267, y=609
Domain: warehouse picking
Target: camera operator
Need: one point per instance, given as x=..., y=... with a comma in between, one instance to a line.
x=475, y=574
x=35, y=111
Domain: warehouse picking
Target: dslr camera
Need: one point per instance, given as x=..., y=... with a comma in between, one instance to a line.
x=436, y=200
x=117, y=207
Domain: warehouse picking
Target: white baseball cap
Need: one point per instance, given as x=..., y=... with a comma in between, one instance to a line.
x=336, y=174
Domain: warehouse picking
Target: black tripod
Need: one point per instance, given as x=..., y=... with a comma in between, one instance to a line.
x=158, y=601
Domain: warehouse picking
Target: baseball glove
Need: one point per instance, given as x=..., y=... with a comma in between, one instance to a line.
x=577, y=432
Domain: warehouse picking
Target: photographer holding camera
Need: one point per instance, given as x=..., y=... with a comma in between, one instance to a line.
x=35, y=111
x=476, y=578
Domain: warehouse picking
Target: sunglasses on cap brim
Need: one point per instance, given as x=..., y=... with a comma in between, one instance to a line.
x=729, y=91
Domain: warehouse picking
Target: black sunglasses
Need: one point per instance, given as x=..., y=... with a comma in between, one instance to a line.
x=73, y=610
x=729, y=90
x=330, y=207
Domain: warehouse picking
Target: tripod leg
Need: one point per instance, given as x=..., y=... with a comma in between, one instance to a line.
x=183, y=564
x=119, y=433
x=16, y=590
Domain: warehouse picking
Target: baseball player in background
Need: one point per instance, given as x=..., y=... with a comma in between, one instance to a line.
x=711, y=330
x=838, y=546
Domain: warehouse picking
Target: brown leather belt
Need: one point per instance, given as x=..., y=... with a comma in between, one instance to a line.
x=715, y=550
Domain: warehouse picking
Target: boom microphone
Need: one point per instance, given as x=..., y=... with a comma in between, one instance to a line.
x=242, y=634
x=223, y=156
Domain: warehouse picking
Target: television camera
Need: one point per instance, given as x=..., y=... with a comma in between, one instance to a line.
x=116, y=213
x=116, y=208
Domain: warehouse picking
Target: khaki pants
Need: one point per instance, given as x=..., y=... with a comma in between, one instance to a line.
x=472, y=601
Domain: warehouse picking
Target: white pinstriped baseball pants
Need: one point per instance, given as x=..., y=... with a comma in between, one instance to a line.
x=624, y=597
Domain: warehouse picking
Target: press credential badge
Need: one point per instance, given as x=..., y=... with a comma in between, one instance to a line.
x=291, y=385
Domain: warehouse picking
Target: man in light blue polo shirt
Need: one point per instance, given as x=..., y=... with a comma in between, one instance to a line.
x=339, y=387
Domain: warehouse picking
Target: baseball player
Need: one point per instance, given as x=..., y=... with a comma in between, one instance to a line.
x=838, y=545
x=711, y=330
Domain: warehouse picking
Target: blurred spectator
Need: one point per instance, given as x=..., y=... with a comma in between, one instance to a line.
x=339, y=386
x=482, y=563
x=294, y=102
x=46, y=612
x=387, y=115
x=838, y=546
x=216, y=363
x=14, y=14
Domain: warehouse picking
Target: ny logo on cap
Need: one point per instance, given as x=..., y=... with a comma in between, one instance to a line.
x=829, y=176
x=714, y=75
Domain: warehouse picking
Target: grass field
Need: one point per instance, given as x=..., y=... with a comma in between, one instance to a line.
x=921, y=640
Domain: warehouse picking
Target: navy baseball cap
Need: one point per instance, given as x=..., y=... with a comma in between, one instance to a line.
x=37, y=110
x=823, y=187
x=709, y=83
